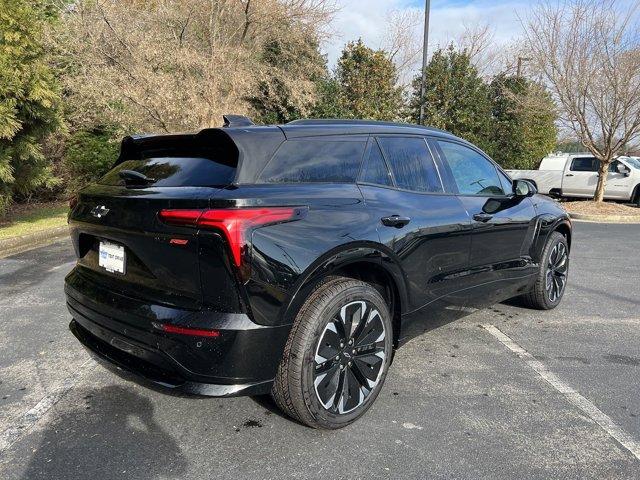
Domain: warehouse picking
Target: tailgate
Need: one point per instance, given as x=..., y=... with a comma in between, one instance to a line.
x=160, y=261
x=118, y=218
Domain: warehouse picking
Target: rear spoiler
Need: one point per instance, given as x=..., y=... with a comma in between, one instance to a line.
x=203, y=143
x=241, y=143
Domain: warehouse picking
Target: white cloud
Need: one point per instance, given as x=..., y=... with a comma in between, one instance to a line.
x=366, y=19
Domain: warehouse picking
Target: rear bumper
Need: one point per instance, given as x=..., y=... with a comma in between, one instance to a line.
x=119, y=332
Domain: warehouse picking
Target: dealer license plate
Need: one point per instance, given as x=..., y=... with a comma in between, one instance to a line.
x=112, y=257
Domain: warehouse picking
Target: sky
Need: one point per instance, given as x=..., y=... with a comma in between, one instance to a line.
x=366, y=19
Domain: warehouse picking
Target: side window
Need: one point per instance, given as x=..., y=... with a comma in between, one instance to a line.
x=507, y=183
x=411, y=164
x=584, y=164
x=375, y=169
x=313, y=161
x=472, y=173
x=613, y=166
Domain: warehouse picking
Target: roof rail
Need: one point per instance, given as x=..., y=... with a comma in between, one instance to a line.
x=350, y=121
x=237, y=121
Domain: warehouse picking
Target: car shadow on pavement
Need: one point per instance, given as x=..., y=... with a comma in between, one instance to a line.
x=110, y=434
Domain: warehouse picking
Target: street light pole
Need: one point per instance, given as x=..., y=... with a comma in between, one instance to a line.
x=427, y=8
x=519, y=68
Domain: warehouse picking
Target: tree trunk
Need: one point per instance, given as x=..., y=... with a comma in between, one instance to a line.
x=603, y=171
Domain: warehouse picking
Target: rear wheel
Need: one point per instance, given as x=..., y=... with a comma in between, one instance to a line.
x=552, y=275
x=337, y=355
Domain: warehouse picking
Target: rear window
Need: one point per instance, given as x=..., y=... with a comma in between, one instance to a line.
x=375, y=170
x=314, y=161
x=174, y=172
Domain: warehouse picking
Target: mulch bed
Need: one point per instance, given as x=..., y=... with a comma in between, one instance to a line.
x=589, y=207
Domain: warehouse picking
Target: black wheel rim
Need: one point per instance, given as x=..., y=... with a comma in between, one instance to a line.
x=557, y=272
x=350, y=357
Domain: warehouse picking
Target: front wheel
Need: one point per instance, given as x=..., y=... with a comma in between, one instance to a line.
x=552, y=275
x=337, y=355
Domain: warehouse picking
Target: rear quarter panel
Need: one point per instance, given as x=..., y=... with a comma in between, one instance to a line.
x=551, y=216
x=283, y=255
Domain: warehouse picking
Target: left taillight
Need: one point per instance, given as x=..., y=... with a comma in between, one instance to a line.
x=234, y=223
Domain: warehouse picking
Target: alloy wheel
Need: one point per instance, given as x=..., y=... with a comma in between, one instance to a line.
x=349, y=357
x=557, y=268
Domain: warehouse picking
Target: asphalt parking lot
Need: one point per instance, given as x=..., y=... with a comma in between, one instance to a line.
x=458, y=402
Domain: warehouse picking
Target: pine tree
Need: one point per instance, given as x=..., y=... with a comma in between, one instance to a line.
x=29, y=100
x=456, y=97
x=366, y=84
x=523, y=119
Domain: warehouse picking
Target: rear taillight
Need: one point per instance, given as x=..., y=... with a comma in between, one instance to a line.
x=234, y=223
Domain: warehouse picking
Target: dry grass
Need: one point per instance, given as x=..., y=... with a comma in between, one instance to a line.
x=29, y=218
x=589, y=207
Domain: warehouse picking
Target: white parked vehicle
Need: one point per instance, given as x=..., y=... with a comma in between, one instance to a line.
x=576, y=175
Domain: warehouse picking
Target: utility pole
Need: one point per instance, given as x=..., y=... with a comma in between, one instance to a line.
x=519, y=68
x=427, y=8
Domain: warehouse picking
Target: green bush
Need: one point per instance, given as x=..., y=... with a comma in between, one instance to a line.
x=89, y=155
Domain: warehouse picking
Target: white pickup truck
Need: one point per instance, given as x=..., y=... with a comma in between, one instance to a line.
x=576, y=175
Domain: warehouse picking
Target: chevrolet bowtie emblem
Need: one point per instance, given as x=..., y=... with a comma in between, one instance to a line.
x=99, y=211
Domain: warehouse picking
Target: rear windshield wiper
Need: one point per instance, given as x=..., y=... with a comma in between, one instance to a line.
x=131, y=177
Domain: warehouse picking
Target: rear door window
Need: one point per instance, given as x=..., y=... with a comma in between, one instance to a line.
x=584, y=164
x=411, y=164
x=314, y=161
x=175, y=172
x=374, y=169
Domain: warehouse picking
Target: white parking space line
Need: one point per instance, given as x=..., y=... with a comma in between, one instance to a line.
x=24, y=423
x=593, y=412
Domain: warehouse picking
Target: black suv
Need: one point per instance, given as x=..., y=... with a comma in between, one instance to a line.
x=294, y=259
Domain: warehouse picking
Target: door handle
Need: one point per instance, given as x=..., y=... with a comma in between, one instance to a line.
x=395, y=221
x=482, y=217
x=569, y=175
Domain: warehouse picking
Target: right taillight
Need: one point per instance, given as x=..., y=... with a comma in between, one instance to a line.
x=234, y=223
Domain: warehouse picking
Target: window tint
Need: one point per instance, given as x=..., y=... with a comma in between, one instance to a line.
x=472, y=173
x=411, y=163
x=584, y=164
x=308, y=161
x=175, y=172
x=375, y=169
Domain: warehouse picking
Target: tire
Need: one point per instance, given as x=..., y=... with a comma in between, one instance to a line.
x=552, y=275
x=314, y=364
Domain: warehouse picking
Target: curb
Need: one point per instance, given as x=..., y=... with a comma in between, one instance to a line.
x=13, y=245
x=606, y=218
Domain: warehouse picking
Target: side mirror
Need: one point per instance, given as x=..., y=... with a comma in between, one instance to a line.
x=524, y=188
x=622, y=169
